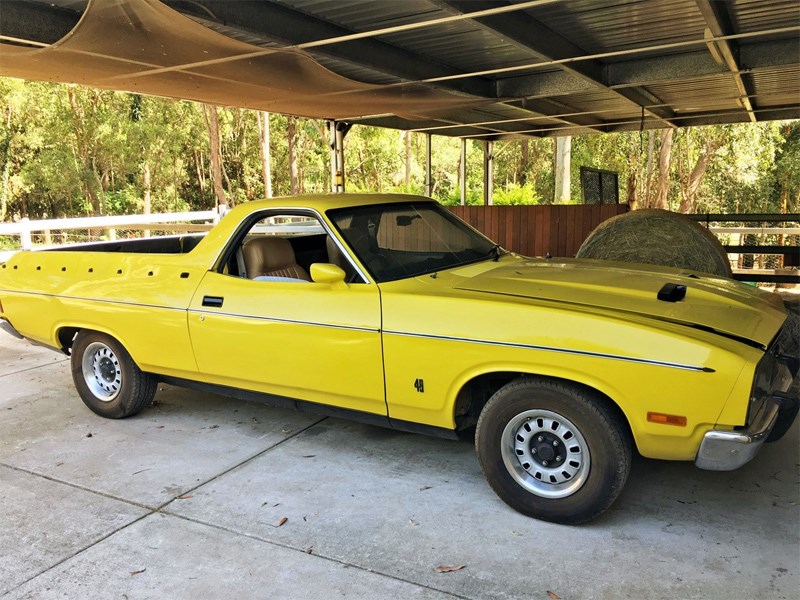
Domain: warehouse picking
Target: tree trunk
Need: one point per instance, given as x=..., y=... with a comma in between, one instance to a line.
x=648, y=180
x=263, y=138
x=563, y=146
x=664, y=161
x=212, y=125
x=97, y=184
x=291, y=134
x=408, y=160
x=4, y=195
x=689, y=192
x=633, y=199
x=691, y=185
x=525, y=153
x=148, y=204
x=201, y=173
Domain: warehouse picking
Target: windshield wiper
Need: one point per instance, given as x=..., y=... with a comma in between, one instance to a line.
x=495, y=253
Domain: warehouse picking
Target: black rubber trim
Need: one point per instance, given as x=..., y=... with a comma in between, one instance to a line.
x=311, y=407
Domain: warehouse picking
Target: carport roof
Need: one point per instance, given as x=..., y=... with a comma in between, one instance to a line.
x=472, y=68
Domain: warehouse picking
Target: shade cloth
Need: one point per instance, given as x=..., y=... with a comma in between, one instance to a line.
x=143, y=46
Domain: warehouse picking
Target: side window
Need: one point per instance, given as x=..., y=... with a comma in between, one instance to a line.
x=279, y=247
x=282, y=247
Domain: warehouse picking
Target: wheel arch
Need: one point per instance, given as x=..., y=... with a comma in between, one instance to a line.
x=65, y=335
x=473, y=395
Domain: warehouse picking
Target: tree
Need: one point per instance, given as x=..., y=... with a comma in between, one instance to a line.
x=263, y=138
x=212, y=123
x=563, y=149
x=291, y=137
x=659, y=200
x=711, y=139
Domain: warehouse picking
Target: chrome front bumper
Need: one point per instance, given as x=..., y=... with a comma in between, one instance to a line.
x=774, y=412
x=729, y=450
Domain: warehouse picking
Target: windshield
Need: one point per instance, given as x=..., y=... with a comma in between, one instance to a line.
x=395, y=241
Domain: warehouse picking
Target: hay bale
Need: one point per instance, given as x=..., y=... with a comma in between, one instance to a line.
x=657, y=237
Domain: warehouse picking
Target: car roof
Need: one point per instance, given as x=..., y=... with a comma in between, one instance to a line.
x=325, y=202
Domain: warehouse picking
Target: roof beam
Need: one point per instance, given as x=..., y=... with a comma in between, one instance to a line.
x=561, y=112
x=719, y=23
x=773, y=113
x=476, y=120
x=457, y=126
x=529, y=34
x=642, y=72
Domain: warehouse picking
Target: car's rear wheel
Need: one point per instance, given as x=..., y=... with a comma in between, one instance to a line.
x=107, y=379
x=552, y=450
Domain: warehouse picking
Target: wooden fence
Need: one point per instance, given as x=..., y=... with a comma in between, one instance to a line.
x=537, y=230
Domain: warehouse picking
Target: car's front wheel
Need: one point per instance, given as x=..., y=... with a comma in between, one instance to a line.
x=107, y=379
x=552, y=450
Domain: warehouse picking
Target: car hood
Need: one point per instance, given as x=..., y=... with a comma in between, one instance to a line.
x=725, y=306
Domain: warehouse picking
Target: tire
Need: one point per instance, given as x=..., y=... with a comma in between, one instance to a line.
x=107, y=379
x=551, y=451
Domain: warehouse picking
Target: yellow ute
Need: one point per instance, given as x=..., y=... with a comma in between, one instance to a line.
x=390, y=310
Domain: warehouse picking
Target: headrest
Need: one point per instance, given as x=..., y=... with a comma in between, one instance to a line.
x=268, y=253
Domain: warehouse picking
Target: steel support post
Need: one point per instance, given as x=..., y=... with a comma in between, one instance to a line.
x=428, y=178
x=337, y=130
x=488, y=172
x=462, y=172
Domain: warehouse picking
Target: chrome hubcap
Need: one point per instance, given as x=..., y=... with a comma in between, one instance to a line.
x=545, y=453
x=101, y=371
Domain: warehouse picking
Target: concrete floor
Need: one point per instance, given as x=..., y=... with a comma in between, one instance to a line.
x=187, y=500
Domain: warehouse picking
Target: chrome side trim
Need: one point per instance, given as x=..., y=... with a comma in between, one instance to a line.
x=632, y=359
x=205, y=312
x=100, y=300
x=279, y=320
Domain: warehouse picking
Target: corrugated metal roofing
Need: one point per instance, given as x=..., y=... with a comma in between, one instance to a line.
x=609, y=26
x=523, y=67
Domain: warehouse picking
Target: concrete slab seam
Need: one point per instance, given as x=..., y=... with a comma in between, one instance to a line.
x=242, y=463
x=314, y=555
x=150, y=510
x=82, y=488
x=78, y=552
x=56, y=362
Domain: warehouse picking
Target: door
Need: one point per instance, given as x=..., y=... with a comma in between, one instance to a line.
x=318, y=342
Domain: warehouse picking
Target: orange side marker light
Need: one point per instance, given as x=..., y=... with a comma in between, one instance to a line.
x=663, y=419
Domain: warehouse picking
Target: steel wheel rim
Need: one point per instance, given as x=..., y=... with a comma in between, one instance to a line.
x=545, y=453
x=101, y=371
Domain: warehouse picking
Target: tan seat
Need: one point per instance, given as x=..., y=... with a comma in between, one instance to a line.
x=272, y=257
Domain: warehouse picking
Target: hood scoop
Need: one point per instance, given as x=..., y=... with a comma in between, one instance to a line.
x=672, y=292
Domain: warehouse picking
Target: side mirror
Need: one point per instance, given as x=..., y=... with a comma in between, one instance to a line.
x=406, y=220
x=328, y=273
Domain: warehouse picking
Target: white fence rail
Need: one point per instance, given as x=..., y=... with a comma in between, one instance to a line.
x=25, y=229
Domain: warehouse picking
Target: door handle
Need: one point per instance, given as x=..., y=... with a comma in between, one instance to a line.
x=215, y=301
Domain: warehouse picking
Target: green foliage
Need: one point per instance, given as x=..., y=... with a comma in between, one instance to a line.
x=516, y=194
x=68, y=151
